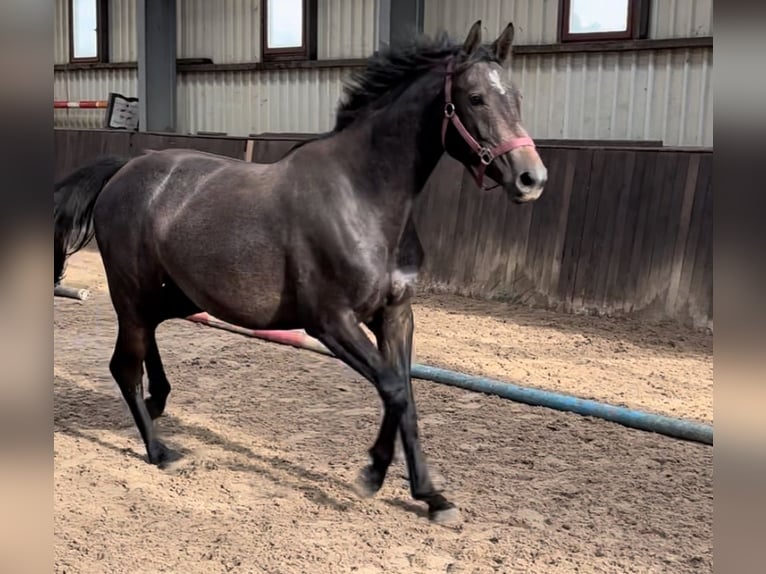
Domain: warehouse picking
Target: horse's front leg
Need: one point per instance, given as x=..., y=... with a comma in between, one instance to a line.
x=393, y=327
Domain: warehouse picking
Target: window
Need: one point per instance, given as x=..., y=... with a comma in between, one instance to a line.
x=288, y=30
x=88, y=26
x=603, y=19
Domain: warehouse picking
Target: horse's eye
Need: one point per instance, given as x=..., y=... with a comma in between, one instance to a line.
x=476, y=99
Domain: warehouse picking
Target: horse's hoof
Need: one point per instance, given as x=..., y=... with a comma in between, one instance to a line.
x=161, y=455
x=154, y=407
x=449, y=516
x=368, y=482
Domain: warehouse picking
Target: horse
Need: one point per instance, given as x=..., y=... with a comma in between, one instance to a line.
x=321, y=240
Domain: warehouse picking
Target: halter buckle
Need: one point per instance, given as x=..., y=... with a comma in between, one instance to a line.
x=485, y=155
x=449, y=110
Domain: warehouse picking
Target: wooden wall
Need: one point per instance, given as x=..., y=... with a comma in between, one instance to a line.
x=618, y=230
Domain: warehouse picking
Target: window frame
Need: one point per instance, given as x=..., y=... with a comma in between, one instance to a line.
x=637, y=28
x=102, y=33
x=308, y=48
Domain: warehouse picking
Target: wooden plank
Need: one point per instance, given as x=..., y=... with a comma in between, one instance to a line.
x=606, y=144
x=575, y=227
x=630, y=232
x=701, y=287
x=606, y=223
x=270, y=151
x=690, y=183
x=516, y=237
x=673, y=196
x=498, y=264
x=436, y=218
x=616, y=45
x=675, y=218
x=642, y=204
x=592, y=237
x=532, y=246
x=489, y=236
x=696, y=229
x=463, y=247
x=446, y=202
x=74, y=148
x=645, y=286
x=548, y=213
x=229, y=147
x=475, y=239
x=249, y=150
x=607, y=185
x=622, y=230
x=552, y=273
x=670, y=194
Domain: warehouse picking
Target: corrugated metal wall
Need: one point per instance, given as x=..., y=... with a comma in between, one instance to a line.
x=665, y=95
x=229, y=31
x=61, y=32
x=241, y=103
x=346, y=28
x=122, y=31
x=681, y=18
x=534, y=21
x=89, y=85
x=656, y=95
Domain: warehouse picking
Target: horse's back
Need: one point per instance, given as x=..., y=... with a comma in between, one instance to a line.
x=208, y=223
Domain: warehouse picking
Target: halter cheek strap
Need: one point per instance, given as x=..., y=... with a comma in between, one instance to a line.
x=486, y=154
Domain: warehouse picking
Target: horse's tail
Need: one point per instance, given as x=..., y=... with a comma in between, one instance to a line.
x=74, y=198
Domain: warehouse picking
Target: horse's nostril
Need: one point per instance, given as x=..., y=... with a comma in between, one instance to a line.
x=526, y=179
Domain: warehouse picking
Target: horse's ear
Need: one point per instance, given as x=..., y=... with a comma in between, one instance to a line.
x=473, y=41
x=503, y=46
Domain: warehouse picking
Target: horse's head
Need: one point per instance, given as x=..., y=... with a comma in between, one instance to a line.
x=482, y=118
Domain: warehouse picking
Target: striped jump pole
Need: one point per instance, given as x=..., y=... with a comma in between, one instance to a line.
x=81, y=104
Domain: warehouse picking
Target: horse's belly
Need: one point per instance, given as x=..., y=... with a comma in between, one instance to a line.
x=241, y=289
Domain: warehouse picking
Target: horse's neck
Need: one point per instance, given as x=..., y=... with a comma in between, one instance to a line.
x=398, y=149
x=404, y=141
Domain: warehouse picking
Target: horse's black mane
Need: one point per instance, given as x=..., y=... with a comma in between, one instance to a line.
x=387, y=71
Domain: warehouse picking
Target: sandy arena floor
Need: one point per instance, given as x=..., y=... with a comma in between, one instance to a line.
x=273, y=438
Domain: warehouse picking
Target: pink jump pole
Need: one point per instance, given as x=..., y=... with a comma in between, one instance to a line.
x=298, y=339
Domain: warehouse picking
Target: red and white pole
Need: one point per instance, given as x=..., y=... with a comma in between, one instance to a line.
x=82, y=104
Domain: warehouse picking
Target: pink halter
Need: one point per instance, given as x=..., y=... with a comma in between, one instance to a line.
x=486, y=154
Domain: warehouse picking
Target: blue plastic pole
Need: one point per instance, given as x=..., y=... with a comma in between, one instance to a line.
x=674, y=427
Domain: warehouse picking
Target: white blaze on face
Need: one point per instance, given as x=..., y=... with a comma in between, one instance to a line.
x=497, y=83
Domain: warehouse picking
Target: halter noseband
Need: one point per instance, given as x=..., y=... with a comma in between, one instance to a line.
x=486, y=154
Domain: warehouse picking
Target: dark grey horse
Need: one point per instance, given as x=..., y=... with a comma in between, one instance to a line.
x=320, y=240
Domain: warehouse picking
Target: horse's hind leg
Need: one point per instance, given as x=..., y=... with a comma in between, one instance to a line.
x=159, y=386
x=173, y=304
x=127, y=369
